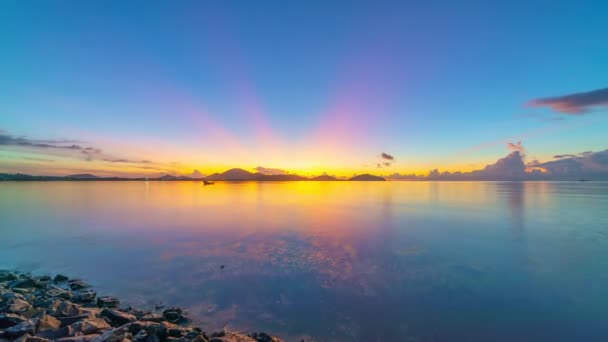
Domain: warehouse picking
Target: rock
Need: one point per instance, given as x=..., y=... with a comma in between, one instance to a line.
x=152, y=317
x=117, y=318
x=48, y=322
x=72, y=319
x=44, y=278
x=7, y=276
x=90, y=326
x=8, y=320
x=57, y=292
x=86, y=338
x=66, y=309
x=60, y=278
x=26, y=283
x=112, y=335
x=263, y=337
x=141, y=336
x=54, y=334
x=107, y=302
x=10, y=295
x=84, y=296
x=174, y=315
x=30, y=338
x=15, y=305
x=77, y=284
x=25, y=327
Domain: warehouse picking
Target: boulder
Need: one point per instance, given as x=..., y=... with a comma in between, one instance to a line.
x=7, y=276
x=26, y=283
x=84, y=296
x=17, y=306
x=152, y=317
x=66, y=309
x=117, y=318
x=77, y=284
x=57, y=292
x=90, y=326
x=72, y=319
x=174, y=315
x=60, y=278
x=8, y=320
x=113, y=335
x=48, y=322
x=25, y=327
x=107, y=302
x=85, y=338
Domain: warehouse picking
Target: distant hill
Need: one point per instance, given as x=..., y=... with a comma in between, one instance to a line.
x=230, y=175
x=82, y=176
x=324, y=178
x=234, y=175
x=366, y=177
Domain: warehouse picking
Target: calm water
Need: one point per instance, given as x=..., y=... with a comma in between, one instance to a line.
x=335, y=260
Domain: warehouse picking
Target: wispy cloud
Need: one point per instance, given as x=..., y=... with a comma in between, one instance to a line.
x=516, y=147
x=574, y=104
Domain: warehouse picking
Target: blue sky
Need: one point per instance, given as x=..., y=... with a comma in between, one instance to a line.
x=303, y=86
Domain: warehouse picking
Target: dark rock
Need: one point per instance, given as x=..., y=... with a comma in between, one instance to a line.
x=262, y=337
x=90, y=326
x=11, y=295
x=116, y=317
x=7, y=276
x=57, y=292
x=84, y=296
x=60, y=278
x=26, y=283
x=174, y=315
x=86, y=338
x=77, y=284
x=30, y=338
x=66, y=309
x=25, y=327
x=15, y=305
x=113, y=335
x=218, y=334
x=141, y=336
x=72, y=319
x=23, y=291
x=215, y=339
x=44, y=278
x=8, y=320
x=48, y=322
x=152, y=317
x=54, y=334
x=107, y=302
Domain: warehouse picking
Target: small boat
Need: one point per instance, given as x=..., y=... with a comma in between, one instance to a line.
x=206, y=182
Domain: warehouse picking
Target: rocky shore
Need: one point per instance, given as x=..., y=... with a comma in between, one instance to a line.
x=45, y=308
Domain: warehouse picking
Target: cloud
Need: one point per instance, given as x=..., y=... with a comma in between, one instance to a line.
x=270, y=171
x=560, y=156
x=516, y=147
x=196, y=174
x=9, y=140
x=387, y=156
x=574, y=104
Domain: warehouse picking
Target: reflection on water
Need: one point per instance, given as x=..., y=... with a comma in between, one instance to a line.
x=345, y=261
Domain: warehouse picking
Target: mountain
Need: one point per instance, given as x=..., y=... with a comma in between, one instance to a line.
x=82, y=176
x=367, y=177
x=324, y=178
x=234, y=175
x=287, y=177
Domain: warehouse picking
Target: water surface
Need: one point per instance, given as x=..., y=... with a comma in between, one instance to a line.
x=332, y=261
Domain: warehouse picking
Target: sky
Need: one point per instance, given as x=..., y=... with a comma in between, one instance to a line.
x=308, y=87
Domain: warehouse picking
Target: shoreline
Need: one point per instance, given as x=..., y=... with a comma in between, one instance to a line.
x=45, y=308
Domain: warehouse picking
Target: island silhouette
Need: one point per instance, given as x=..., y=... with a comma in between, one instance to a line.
x=233, y=175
